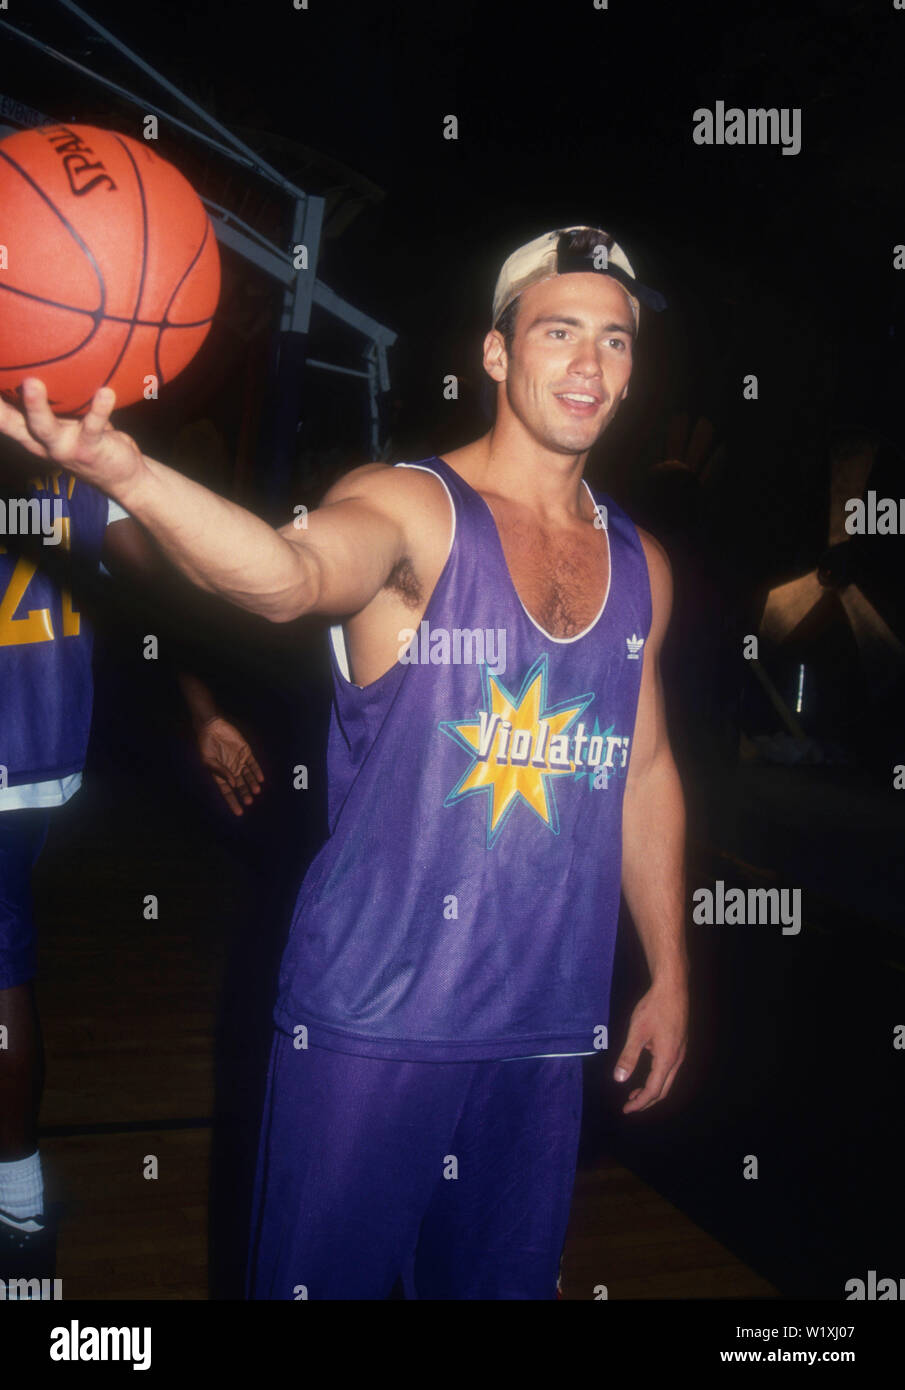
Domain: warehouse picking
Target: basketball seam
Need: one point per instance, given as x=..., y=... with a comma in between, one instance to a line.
x=188, y=270
x=144, y=266
x=60, y=357
x=94, y=314
x=89, y=254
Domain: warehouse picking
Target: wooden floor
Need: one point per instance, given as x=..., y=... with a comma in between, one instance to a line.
x=627, y=1239
x=129, y=1011
x=125, y=1237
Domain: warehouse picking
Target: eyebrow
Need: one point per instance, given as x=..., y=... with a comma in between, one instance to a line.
x=579, y=323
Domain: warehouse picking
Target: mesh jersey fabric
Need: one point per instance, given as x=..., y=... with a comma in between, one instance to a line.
x=46, y=690
x=465, y=904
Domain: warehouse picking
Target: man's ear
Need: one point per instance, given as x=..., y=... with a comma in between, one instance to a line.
x=495, y=360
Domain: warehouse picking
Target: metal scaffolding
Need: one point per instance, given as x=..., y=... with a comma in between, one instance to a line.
x=301, y=287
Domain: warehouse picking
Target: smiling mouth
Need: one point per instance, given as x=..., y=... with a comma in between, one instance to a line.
x=579, y=402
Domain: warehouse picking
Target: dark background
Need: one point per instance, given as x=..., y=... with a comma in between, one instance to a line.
x=774, y=265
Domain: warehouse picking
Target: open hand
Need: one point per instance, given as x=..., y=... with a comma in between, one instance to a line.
x=89, y=448
x=228, y=757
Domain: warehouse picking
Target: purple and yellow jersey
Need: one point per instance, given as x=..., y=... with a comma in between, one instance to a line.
x=46, y=689
x=464, y=906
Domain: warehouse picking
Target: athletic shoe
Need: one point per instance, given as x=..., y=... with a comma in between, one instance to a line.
x=28, y=1254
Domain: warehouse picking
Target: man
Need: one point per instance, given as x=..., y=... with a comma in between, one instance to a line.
x=46, y=698
x=498, y=741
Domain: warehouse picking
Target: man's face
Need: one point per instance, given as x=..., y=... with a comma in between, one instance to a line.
x=573, y=337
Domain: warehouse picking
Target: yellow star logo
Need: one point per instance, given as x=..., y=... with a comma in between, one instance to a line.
x=518, y=745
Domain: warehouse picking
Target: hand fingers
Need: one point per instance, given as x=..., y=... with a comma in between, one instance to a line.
x=239, y=779
x=12, y=424
x=641, y=1099
x=228, y=794
x=248, y=770
x=42, y=423
x=243, y=788
x=98, y=417
x=655, y=1088
x=667, y=1085
x=628, y=1058
x=251, y=777
x=244, y=782
x=48, y=430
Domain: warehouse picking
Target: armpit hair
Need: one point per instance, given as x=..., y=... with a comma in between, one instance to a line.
x=404, y=581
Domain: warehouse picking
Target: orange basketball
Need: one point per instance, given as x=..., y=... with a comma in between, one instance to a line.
x=112, y=273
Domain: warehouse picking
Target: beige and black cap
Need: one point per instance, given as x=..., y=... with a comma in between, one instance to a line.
x=555, y=253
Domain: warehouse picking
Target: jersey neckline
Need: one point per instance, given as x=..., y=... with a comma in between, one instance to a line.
x=561, y=641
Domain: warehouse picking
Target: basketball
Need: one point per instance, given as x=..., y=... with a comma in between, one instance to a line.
x=109, y=269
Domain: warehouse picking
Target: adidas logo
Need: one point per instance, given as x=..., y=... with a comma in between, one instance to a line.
x=634, y=645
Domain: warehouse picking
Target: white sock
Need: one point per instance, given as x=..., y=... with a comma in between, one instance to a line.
x=22, y=1192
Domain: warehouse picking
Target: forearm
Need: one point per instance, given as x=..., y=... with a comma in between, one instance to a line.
x=653, y=867
x=198, y=698
x=221, y=547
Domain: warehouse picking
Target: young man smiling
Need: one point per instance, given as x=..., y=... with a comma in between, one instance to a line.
x=450, y=955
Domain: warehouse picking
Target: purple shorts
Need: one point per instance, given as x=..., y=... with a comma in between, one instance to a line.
x=455, y=1176
x=22, y=836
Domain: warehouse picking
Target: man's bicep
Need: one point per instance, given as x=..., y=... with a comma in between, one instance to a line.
x=659, y=573
x=651, y=735
x=353, y=545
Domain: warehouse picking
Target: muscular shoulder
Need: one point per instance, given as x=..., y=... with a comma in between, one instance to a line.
x=389, y=489
x=660, y=574
x=416, y=503
x=411, y=498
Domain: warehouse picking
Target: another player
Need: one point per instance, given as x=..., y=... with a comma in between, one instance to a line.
x=46, y=697
x=498, y=766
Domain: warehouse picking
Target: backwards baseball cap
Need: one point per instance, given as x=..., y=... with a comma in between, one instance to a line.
x=556, y=253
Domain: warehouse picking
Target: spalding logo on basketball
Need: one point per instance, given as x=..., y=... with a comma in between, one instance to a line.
x=112, y=270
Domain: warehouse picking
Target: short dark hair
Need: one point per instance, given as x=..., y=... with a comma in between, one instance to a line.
x=505, y=324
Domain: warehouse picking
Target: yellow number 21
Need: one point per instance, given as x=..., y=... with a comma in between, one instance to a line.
x=37, y=625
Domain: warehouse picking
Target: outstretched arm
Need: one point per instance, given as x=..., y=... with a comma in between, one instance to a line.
x=653, y=866
x=334, y=566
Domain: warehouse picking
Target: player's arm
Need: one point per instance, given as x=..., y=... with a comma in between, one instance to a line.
x=334, y=566
x=130, y=553
x=653, y=862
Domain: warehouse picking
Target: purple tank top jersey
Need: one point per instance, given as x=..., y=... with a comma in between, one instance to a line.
x=465, y=904
x=46, y=684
